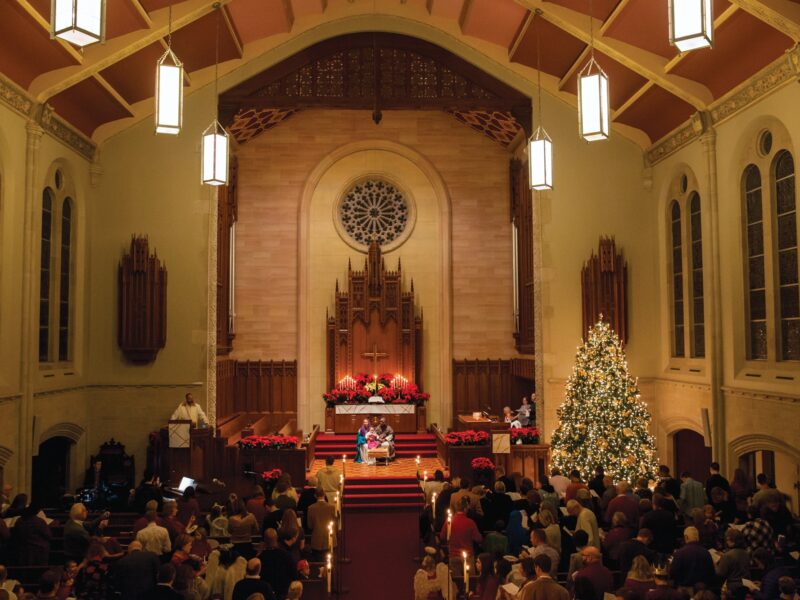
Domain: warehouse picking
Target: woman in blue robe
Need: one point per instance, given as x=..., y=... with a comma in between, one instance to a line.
x=361, y=442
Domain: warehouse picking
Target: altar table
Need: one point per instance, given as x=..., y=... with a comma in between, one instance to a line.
x=347, y=418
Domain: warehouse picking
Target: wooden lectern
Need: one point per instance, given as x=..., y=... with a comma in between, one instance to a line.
x=191, y=452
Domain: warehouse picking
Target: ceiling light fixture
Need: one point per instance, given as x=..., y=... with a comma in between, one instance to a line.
x=691, y=24
x=592, y=94
x=215, y=138
x=169, y=89
x=79, y=22
x=540, y=147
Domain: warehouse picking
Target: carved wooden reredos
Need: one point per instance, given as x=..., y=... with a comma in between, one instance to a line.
x=374, y=315
x=604, y=281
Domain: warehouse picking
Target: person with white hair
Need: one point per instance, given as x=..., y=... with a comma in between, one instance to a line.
x=78, y=531
x=692, y=564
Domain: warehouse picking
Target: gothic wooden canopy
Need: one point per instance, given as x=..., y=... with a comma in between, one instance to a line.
x=374, y=326
x=343, y=72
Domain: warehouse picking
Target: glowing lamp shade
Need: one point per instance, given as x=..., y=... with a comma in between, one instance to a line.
x=169, y=94
x=593, y=102
x=540, y=161
x=691, y=24
x=79, y=22
x=215, y=155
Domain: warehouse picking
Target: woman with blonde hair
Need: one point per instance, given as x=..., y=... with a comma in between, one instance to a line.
x=432, y=581
x=550, y=525
x=295, y=591
x=640, y=577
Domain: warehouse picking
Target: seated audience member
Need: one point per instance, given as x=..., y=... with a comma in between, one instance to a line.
x=586, y=521
x=154, y=538
x=575, y=484
x=757, y=532
x=255, y=504
x=693, y=495
x=277, y=567
x=48, y=585
x=640, y=577
x=486, y=587
x=626, y=503
x=619, y=532
x=188, y=508
x=30, y=539
x=593, y=570
x=497, y=505
x=224, y=570
x=691, y=564
x=141, y=522
x=661, y=523
x=243, y=527
x=735, y=562
x=496, y=542
x=284, y=496
x=78, y=531
x=307, y=497
x=544, y=587
x=135, y=575
x=163, y=589
x=170, y=521
x=581, y=540
x=67, y=584
x=92, y=580
x=548, y=521
x=181, y=549
x=662, y=590
x=320, y=515
x=638, y=546
x=540, y=546
x=252, y=583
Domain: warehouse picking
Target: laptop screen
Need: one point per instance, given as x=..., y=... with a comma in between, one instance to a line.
x=185, y=482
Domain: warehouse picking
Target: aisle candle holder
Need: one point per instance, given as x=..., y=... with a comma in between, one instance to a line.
x=433, y=506
x=466, y=574
x=449, y=523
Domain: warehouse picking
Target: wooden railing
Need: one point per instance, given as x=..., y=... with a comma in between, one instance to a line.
x=311, y=447
x=441, y=446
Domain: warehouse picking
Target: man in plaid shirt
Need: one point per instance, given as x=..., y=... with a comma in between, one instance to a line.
x=758, y=532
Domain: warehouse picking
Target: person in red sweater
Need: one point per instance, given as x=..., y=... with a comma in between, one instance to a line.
x=575, y=485
x=624, y=502
x=463, y=534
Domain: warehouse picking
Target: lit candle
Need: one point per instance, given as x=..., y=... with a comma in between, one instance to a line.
x=329, y=568
x=330, y=536
x=466, y=575
x=417, y=461
x=344, y=464
x=425, y=477
x=338, y=503
x=433, y=505
x=449, y=523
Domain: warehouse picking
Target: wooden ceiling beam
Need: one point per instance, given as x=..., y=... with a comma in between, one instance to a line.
x=579, y=61
x=114, y=93
x=101, y=56
x=45, y=24
x=613, y=16
x=632, y=100
x=718, y=21
x=783, y=15
x=646, y=64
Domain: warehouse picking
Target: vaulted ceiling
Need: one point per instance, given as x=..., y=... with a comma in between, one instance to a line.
x=654, y=89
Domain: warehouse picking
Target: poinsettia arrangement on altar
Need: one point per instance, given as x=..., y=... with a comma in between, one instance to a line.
x=467, y=438
x=271, y=476
x=269, y=442
x=392, y=389
x=525, y=435
x=482, y=463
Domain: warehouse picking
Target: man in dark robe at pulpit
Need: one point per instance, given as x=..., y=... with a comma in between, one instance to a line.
x=386, y=436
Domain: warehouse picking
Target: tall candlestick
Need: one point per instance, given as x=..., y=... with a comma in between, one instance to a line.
x=449, y=523
x=433, y=505
x=328, y=569
x=330, y=536
x=466, y=575
x=417, y=461
x=344, y=464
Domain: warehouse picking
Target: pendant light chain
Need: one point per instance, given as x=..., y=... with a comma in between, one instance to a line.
x=216, y=57
x=538, y=63
x=169, y=28
x=591, y=29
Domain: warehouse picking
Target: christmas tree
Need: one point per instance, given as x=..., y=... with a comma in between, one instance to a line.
x=602, y=421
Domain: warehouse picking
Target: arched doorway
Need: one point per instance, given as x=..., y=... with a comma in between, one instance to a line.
x=691, y=454
x=51, y=471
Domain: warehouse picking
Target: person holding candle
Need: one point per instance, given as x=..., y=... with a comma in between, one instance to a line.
x=463, y=534
x=320, y=514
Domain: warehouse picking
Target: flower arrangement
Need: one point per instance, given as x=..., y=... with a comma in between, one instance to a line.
x=525, y=435
x=393, y=390
x=467, y=438
x=271, y=476
x=270, y=442
x=482, y=463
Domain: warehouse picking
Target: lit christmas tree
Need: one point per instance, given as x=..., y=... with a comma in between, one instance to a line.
x=602, y=421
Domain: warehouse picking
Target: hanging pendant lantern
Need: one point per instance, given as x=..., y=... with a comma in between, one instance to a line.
x=215, y=155
x=691, y=24
x=79, y=22
x=169, y=94
x=593, y=102
x=540, y=160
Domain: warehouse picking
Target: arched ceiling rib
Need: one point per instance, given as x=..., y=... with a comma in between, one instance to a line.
x=104, y=88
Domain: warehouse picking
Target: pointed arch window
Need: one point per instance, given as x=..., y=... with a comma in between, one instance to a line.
x=756, y=279
x=44, y=275
x=678, y=343
x=698, y=337
x=65, y=278
x=788, y=295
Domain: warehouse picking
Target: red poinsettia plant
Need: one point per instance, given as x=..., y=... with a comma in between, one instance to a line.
x=525, y=435
x=482, y=463
x=467, y=438
x=393, y=390
x=271, y=476
x=270, y=442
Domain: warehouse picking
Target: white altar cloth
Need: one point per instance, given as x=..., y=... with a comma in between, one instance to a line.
x=375, y=409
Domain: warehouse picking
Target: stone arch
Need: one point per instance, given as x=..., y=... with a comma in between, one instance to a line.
x=5, y=454
x=71, y=431
x=755, y=441
x=304, y=316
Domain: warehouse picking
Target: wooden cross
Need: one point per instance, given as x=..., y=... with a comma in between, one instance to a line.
x=375, y=356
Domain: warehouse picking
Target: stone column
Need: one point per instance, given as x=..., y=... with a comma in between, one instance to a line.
x=211, y=350
x=29, y=313
x=716, y=362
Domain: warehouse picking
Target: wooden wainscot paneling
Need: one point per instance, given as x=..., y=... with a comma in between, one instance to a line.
x=481, y=384
x=531, y=460
x=142, y=303
x=604, y=282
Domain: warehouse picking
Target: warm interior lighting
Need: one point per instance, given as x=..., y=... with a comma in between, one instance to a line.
x=540, y=160
x=691, y=24
x=215, y=155
x=79, y=22
x=169, y=94
x=593, y=102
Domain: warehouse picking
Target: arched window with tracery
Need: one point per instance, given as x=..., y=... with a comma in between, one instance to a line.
x=698, y=336
x=678, y=344
x=65, y=277
x=44, y=275
x=756, y=276
x=788, y=295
